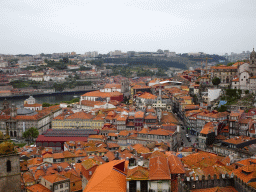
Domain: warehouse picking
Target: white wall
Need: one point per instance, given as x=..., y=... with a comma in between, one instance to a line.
x=213, y=94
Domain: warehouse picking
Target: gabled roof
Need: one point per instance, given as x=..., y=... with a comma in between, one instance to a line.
x=80, y=115
x=159, y=169
x=108, y=177
x=54, y=178
x=239, y=139
x=150, y=116
x=89, y=163
x=38, y=188
x=112, y=145
x=139, y=115
x=68, y=154
x=147, y=95
x=175, y=165
x=208, y=128
x=58, y=156
x=110, y=155
x=160, y=132
x=102, y=94
x=138, y=173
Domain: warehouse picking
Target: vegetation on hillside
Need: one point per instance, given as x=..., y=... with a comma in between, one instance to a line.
x=24, y=84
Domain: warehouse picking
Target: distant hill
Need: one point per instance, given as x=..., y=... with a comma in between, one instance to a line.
x=161, y=62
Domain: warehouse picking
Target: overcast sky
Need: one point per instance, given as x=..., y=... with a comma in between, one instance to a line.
x=48, y=26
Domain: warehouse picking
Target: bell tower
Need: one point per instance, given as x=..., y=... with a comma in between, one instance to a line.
x=13, y=111
x=252, y=63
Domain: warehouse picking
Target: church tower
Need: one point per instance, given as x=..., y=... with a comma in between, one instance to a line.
x=9, y=169
x=13, y=111
x=5, y=104
x=252, y=63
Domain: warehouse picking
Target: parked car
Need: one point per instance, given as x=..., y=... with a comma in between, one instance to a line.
x=15, y=140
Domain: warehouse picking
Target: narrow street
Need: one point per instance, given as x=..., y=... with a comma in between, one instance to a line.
x=184, y=139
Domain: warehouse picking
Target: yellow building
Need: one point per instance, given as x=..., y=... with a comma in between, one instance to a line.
x=184, y=101
x=37, y=73
x=79, y=120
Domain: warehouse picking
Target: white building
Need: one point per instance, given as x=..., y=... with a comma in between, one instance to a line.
x=213, y=94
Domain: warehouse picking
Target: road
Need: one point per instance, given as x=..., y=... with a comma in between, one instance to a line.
x=185, y=141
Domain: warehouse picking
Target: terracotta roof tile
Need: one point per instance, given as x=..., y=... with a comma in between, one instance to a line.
x=112, y=145
x=138, y=173
x=208, y=128
x=159, y=169
x=102, y=94
x=108, y=177
x=139, y=115
x=175, y=165
x=147, y=95
x=58, y=156
x=54, y=178
x=38, y=188
x=239, y=139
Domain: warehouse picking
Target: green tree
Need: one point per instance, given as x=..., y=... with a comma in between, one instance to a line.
x=31, y=134
x=230, y=64
x=59, y=87
x=65, y=60
x=216, y=81
x=46, y=104
x=246, y=91
x=222, y=108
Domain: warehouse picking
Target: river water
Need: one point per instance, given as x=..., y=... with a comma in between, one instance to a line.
x=41, y=99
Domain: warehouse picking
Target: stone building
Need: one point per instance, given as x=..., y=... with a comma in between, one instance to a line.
x=19, y=120
x=9, y=169
x=224, y=73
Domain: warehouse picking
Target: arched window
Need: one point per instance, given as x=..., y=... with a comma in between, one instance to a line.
x=9, y=166
x=11, y=134
x=15, y=134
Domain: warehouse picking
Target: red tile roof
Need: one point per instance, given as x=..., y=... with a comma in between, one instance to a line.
x=38, y=188
x=139, y=115
x=208, y=128
x=138, y=173
x=175, y=165
x=102, y=94
x=159, y=169
x=108, y=177
x=54, y=178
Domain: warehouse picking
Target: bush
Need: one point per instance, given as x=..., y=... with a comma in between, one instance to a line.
x=222, y=108
x=246, y=91
x=46, y=105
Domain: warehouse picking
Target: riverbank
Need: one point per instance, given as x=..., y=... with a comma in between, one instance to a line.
x=46, y=94
x=57, y=97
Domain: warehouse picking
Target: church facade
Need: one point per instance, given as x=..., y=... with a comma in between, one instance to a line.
x=14, y=122
x=246, y=75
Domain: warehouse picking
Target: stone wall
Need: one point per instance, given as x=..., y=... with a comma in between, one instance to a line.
x=10, y=180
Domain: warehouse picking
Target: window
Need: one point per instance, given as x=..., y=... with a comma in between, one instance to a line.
x=61, y=186
x=66, y=184
x=90, y=173
x=74, y=184
x=9, y=166
x=56, y=187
